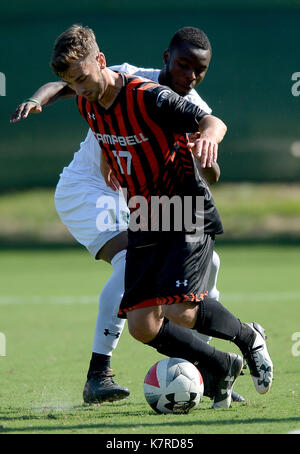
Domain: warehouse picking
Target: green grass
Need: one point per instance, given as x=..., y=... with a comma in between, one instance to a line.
x=48, y=307
x=263, y=211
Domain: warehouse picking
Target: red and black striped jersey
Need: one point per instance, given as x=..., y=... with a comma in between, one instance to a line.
x=143, y=138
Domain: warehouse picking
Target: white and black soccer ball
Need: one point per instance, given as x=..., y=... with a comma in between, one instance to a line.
x=173, y=385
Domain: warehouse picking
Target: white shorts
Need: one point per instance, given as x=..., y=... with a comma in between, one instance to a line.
x=92, y=212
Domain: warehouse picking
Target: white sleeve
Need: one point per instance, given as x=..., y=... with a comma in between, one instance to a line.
x=148, y=73
x=196, y=99
x=124, y=68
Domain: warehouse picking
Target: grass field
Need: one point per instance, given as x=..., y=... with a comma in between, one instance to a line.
x=265, y=212
x=48, y=307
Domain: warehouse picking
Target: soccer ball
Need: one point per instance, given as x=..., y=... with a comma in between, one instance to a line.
x=173, y=385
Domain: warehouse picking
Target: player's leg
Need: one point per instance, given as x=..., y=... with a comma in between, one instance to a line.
x=76, y=204
x=108, y=325
x=211, y=317
x=147, y=326
x=212, y=286
x=146, y=323
x=215, y=320
x=214, y=293
x=100, y=385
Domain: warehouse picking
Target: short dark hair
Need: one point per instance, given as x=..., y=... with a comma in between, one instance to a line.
x=193, y=35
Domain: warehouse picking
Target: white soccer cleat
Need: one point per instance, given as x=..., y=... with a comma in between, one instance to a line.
x=259, y=361
x=222, y=397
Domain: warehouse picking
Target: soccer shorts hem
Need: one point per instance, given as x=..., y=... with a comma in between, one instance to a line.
x=168, y=300
x=90, y=222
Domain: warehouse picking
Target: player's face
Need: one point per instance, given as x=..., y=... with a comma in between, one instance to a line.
x=185, y=67
x=86, y=79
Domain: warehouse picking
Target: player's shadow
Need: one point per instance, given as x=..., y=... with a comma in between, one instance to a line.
x=129, y=426
x=51, y=413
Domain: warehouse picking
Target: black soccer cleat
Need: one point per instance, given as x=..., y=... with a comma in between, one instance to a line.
x=236, y=397
x=100, y=387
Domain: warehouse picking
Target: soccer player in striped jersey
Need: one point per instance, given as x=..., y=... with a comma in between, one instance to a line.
x=186, y=62
x=142, y=130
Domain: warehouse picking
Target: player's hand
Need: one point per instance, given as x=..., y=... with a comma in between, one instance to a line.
x=108, y=175
x=203, y=148
x=112, y=181
x=24, y=109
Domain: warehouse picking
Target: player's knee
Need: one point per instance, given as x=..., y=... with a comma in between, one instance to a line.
x=145, y=323
x=141, y=330
x=143, y=335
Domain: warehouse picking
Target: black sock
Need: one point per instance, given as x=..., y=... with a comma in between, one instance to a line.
x=98, y=363
x=245, y=338
x=178, y=342
x=215, y=320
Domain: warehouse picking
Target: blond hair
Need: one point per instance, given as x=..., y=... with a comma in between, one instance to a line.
x=76, y=43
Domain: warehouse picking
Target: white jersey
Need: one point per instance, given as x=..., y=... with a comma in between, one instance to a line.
x=86, y=161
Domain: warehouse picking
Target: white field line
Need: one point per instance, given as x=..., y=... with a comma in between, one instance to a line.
x=55, y=299
x=265, y=296
x=93, y=299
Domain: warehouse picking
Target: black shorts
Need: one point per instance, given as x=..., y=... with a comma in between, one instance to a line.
x=167, y=272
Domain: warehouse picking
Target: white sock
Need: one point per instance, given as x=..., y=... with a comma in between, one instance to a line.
x=213, y=292
x=109, y=326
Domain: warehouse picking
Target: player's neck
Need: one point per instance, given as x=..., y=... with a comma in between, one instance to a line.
x=114, y=83
x=162, y=77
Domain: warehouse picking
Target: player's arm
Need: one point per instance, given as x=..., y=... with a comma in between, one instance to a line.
x=108, y=175
x=210, y=174
x=179, y=115
x=44, y=96
x=205, y=148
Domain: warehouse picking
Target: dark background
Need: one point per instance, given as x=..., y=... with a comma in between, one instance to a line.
x=255, y=52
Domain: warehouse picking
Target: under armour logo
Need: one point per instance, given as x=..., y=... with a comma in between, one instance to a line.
x=91, y=116
x=108, y=333
x=266, y=376
x=185, y=283
x=230, y=380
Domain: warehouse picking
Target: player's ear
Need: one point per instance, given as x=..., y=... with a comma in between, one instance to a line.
x=166, y=56
x=101, y=60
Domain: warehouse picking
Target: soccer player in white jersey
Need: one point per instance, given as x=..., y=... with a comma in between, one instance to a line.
x=81, y=201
